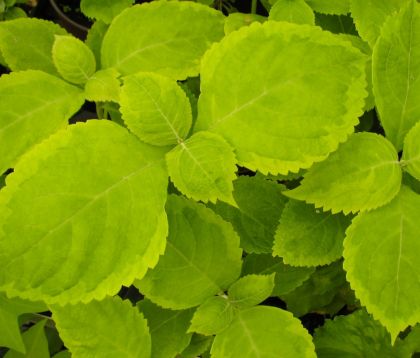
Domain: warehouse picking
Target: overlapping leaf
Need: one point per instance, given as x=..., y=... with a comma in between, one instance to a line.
x=251, y=290
x=103, y=86
x=335, y=7
x=295, y=11
x=411, y=157
x=104, y=10
x=237, y=20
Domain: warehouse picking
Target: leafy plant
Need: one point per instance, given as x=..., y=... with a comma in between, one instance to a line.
x=238, y=180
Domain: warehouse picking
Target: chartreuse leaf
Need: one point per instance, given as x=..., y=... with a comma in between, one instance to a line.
x=34, y=38
x=396, y=67
x=259, y=204
x=202, y=257
x=94, y=39
x=74, y=60
x=168, y=329
x=263, y=331
x=36, y=344
x=212, y=316
x=411, y=157
x=369, y=16
x=73, y=213
x=107, y=328
x=104, y=10
x=363, y=174
x=138, y=39
x=286, y=279
x=354, y=335
x=103, y=86
x=33, y=105
x=155, y=109
x=333, y=7
x=199, y=344
x=268, y=112
x=203, y=167
x=10, y=310
x=309, y=237
x=296, y=11
x=380, y=257
x=237, y=20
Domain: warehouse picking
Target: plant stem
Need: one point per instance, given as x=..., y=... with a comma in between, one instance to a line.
x=254, y=6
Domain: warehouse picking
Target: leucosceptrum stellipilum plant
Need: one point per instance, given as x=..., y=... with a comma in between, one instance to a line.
x=328, y=219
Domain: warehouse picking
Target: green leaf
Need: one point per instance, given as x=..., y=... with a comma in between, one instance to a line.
x=103, y=86
x=74, y=60
x=370, y=15
x=10, y=310
x=73, y=213
x=411, y=157
x=202, y=257
x=155, y=109
x=203, y=167
x=237, y=20
x=268, y=111
x=332, y=7
x=15, y=13
x=36, y=343
x=94, y=39
x=251, y=290
x=213, y=316
x=287, y=278
x=295, y=11
x=381, y=254
x=104, y=10
x=63, y=354
x=34, y=38
x=168, y=329
x=107, y=328
x=48, y=104
x=264, y=332
x=395, y=70
x=354, y=335
x=336, y=24
x=138, y=39
x=363, y=174
x=309, y=237
x=199, y=344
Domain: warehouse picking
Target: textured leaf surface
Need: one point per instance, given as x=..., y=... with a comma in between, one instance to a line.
x=363, y=174
x=33, y=106
x=34, y=38
x=411, y=157
x=237, y=20
x=74, y=60
x=268, y=113
x=396, y=67
x=138, y=39
x=381, y=255
x=203, y=167
x=264, y=332
x=168, y=329
x=213, y=316
x=155, y=109
x=251, y=290
x=309, y=237
x=370, y=15
x=103, y=86
x=259, y=204
x=295, y=11
x=94, y=39
x=199, y=344
x=286, y=279
x=104, y=10
x=354, y=335
x=107, y=328
x=202, y=257
x=73, y=213
x=335, y=7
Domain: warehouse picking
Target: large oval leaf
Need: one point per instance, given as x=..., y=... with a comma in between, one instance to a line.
x=283, y=95
x=73, y=213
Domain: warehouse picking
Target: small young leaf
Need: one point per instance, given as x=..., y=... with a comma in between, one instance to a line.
x=363, y=174
x=387, y=239
x=103, y=86
x=295, y=11
x=212, y=316
x=168, y=329
x=237, y=20
x=107, y=328
x=411, y=157
x=332, y=7
x=155, y=109
x=202, y=257
x=94, y=39
x=309, y=237
x=138, y=39
x=251, y=290
x=263, y=332
x=74, y=60
x=203, y=168
x=34, y=38
x=104, y=10
x=395, y=73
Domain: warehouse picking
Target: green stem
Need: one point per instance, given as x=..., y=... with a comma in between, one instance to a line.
x=254, y=6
